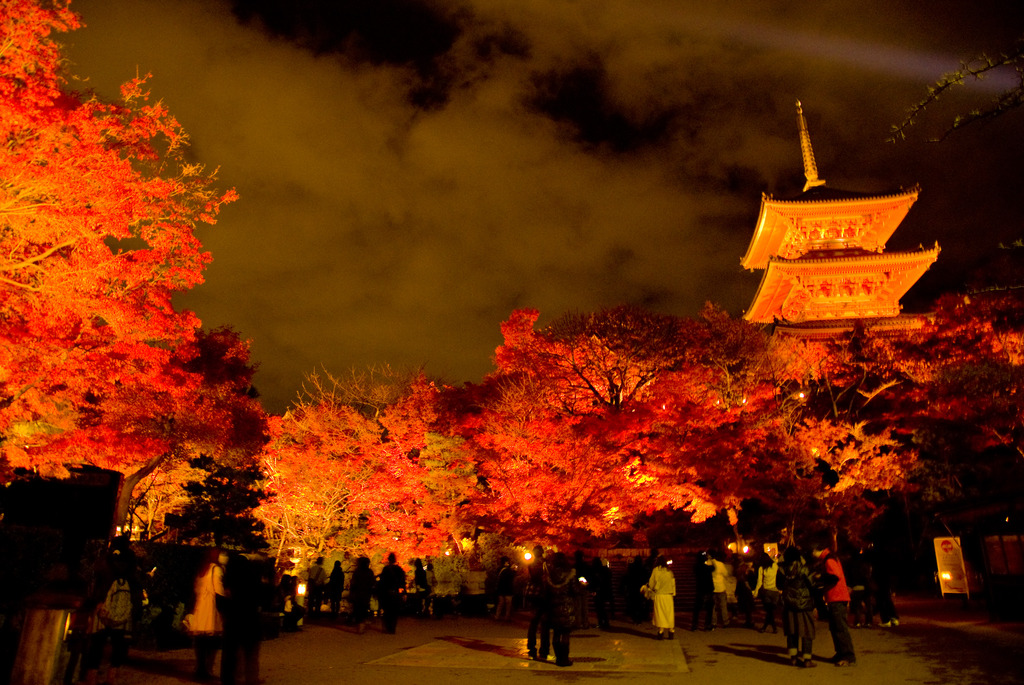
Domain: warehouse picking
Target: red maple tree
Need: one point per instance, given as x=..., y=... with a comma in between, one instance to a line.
x=98, y=209
x=840, y=438
x=598, y=418
x=354, y=465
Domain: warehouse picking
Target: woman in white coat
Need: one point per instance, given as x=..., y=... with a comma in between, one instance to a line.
x=662, y=589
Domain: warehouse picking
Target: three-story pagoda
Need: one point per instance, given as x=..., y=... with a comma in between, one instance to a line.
x=824, y=260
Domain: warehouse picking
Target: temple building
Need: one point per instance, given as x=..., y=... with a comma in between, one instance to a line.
x=824, y=259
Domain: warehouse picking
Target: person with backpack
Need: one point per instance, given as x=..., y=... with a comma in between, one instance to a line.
x=797, y=583
x=562, y=585
x=117, y=606
x=316, y=583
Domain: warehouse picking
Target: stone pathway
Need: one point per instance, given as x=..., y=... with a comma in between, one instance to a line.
x=588, y=652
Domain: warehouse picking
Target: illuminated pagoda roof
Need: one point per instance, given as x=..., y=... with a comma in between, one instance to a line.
x=820, y=287
x=822, y=219
x=823, y=255
x=822, y=330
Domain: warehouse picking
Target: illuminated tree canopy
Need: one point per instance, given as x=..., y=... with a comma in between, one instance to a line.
x=582, y=428
x=592, y=423
x=356, y=466
x=98, y=210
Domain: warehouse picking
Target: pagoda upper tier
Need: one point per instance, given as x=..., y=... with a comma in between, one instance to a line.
x=823, y=253
x=823, y=219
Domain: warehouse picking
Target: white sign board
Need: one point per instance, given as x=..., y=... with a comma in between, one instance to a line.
x=949, y=560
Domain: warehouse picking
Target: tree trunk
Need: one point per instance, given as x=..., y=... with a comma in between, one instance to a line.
x=128, y=483
x=734, y=521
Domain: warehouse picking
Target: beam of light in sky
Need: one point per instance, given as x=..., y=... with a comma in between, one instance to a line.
x=892, y=60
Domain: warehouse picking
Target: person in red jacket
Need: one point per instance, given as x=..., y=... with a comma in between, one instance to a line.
x=837, y=602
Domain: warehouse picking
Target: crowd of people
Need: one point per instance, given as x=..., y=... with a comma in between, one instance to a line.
x=233, y=596
x=796, y=590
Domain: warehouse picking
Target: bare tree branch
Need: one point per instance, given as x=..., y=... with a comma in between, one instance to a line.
x=974, y=70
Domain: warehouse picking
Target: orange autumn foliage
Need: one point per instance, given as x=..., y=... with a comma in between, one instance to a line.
x=98, y=211
x=349, y=472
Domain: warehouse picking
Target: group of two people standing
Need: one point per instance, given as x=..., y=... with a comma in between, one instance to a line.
x=555, y=588
x=325, y=588
x=226, y=616
x=552, y=590
x=799, y=584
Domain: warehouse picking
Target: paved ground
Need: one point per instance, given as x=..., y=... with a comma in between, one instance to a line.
x=938, y=642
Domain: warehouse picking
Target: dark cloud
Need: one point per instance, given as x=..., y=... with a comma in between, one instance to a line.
x=579, y=97
x=404, y=33
x=415, y=34
x=410, y=171
x=394, y=32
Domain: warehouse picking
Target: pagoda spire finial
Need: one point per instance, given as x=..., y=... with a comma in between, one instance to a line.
x=810, y=168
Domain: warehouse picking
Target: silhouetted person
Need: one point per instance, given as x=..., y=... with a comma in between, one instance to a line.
x=882, y=576
x=743, y=570
x=421, y=589
x=580, y=568
x=390, y=586
x=862, y=591
x=704, y=599
x=505, y=590
x=360, y=591
x=242, y=630
x=632, y=583
x=293, y=611
x=600, y=577
x=316, y=582
x=335, y=588
x=537, y=592
x=563, y=586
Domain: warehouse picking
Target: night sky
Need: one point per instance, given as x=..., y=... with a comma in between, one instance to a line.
x=410, y=171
